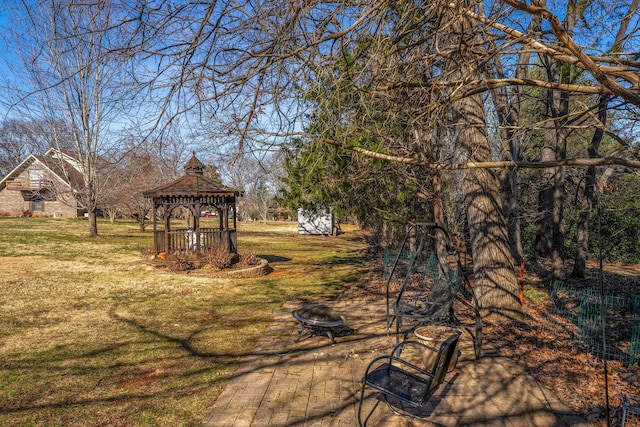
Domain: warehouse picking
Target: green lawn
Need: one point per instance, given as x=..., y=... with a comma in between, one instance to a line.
x=93, y=335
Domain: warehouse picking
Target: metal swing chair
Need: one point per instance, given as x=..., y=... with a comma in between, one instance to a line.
x=431, y=279
x=429, y=273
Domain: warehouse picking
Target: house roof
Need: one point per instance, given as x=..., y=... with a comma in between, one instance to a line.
x=63, y=169
x=193, y=184
x=60, y=166
x=17, y=170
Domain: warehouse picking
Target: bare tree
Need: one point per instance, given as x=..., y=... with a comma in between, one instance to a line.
x=18, y=139
x=590, y=177
x=140, y=170
x=257, y=178
x=75, y=73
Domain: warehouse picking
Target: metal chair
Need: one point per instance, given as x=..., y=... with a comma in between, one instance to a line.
x=401, y=383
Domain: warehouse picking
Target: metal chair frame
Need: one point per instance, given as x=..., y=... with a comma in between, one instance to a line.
x=400, y=382
x=429, y=305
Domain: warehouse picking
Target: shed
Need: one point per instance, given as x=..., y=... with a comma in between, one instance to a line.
x=315, y=222
x=182, y=202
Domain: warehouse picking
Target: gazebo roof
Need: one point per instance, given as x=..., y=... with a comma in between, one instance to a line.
x=193, y=184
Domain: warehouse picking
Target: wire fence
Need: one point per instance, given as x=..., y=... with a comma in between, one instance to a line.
x=586, y=309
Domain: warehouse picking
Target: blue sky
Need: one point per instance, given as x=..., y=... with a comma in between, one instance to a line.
x=6, y=56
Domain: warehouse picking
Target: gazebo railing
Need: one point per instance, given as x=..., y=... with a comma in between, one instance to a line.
x=184, y=240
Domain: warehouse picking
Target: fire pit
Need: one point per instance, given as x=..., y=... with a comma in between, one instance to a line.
x=317, y=319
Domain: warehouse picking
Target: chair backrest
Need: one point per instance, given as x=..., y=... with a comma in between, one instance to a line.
x=443, y=291
x=422, y=260
x=445, y=354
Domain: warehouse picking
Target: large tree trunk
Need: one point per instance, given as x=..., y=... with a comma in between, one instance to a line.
x=580, y=262
x=495, y=282
x=590, y=179
x=508, y=104
x=551, y=197
x=496, y=285
x=89, y=201
x=508, y=117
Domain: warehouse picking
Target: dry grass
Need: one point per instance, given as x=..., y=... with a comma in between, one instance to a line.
x=92, y=335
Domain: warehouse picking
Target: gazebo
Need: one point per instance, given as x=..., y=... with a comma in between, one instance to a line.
x=183, y=201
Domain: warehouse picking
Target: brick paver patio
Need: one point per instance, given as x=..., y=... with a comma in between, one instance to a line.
x=314, y=383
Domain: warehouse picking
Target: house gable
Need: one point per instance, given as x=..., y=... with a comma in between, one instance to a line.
x=38, y=184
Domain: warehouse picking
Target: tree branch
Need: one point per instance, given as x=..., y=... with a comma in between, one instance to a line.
x=581, y=59
x=603, y=161
x=476, y=86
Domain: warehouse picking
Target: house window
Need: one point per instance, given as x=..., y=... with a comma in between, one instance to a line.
x=37, y=206
x=36, y=176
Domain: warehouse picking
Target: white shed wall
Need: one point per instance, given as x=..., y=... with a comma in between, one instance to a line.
x=315, y=222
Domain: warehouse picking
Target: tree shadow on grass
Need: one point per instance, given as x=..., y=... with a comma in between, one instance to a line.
x=275, y=258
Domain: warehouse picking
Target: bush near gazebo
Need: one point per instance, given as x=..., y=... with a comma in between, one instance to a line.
x=215, y=259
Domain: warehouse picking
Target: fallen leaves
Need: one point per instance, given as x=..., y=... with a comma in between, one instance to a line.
x=546, y=349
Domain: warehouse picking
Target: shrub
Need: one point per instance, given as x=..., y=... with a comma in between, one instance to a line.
x=178, y=262
x=219, y=258
x=532, y=293
x=250, y=258
x=146, y=252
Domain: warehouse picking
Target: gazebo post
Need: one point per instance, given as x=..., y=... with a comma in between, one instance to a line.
x=155, y=230
x=196, y=226
x=226, y=225
x=167, y=228
x=235, y=215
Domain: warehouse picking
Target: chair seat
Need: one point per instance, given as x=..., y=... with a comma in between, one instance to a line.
x=397, y=382
x=424, y=309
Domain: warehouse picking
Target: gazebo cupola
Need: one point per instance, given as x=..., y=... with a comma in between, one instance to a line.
x=182, y=202
x=194, y=166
